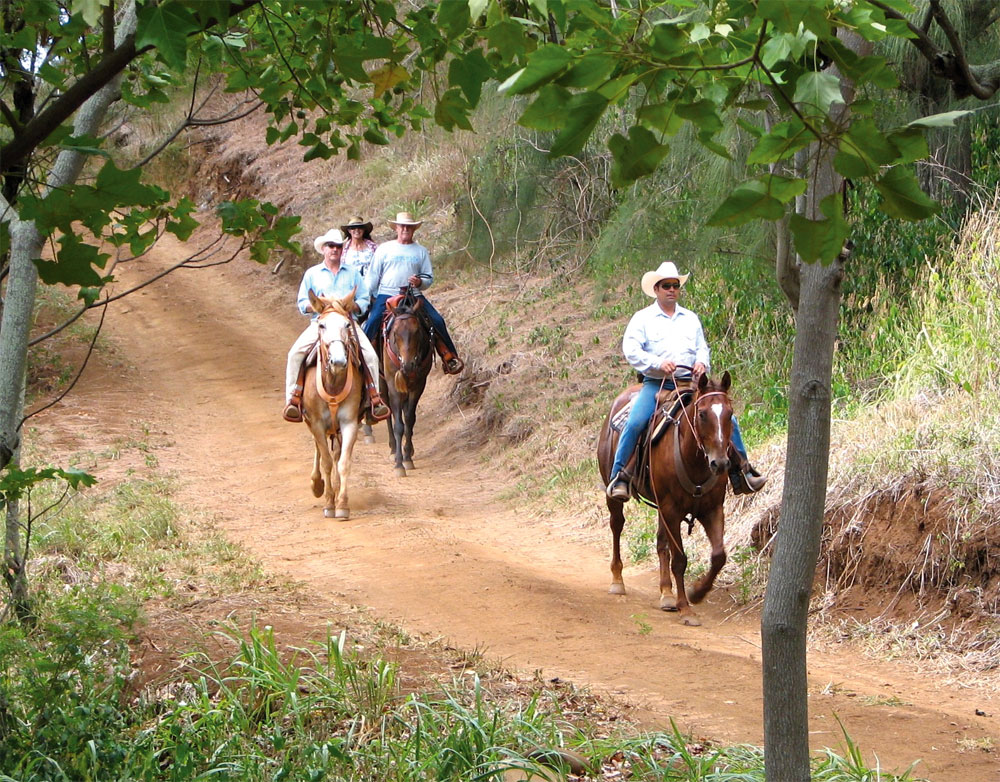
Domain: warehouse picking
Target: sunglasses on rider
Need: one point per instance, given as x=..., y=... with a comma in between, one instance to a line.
x=668, y=285
x=332, y=244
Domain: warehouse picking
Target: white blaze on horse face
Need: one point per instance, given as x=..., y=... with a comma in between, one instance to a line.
x=332, y=333
x=717, y=409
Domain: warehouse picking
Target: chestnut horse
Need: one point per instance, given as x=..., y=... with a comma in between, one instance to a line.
x=407, y=357
x=331, y=401
x=688, y=467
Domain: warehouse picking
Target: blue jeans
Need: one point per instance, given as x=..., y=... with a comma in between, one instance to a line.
x=642, y=410
x=373, y=326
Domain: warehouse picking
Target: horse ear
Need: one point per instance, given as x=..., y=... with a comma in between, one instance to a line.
x=348, y=301
x=318, y=303
x=703, y=382
x=727, y=381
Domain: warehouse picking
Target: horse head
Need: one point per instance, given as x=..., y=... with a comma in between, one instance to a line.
x=408, y=343
x=712, y=421
x=335, y=334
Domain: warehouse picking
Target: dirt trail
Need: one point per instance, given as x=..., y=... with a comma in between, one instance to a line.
x=437, y=554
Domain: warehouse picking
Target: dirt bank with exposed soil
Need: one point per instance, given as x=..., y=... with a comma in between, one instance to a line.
x=439, y=555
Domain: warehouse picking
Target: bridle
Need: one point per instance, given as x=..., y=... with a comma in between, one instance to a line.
x=349, y=341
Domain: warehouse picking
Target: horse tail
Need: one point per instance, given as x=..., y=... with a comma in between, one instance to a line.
x=400, y=380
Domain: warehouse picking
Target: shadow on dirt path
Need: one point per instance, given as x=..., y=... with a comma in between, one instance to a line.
x=437, y=554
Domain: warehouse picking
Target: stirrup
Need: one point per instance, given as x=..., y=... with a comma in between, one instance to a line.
x=453, y=365
x=618, y=488
x=379, y=410
x=293, y=412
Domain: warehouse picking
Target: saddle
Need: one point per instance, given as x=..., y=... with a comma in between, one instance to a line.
x=666, y=414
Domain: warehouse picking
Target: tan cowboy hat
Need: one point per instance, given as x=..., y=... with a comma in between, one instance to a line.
x=357, y=222
x=333, y=236
x=405, y=218
x=665, y=271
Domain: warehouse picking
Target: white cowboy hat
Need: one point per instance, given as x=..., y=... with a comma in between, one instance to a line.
x=665, y=271
x=405, y=218
x=333, y=236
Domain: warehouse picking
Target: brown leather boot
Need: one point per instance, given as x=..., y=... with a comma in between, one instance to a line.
x=744, y=478
x=293, y=410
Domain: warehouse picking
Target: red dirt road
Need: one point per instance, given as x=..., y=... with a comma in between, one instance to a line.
x=437, y=554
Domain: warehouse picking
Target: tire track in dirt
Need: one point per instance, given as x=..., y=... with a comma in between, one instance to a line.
x=439, y=555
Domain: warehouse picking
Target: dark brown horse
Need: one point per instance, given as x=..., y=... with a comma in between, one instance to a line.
x=407, y=357
x=688, y=468
x=331, y=401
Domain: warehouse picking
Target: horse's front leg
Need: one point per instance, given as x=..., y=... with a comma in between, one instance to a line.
x=617, y=520
x=396, y=438
x=667, y=600
x=714, y=524
x=348, y=436
x=410, y=413
x=671, y=526
x=322, y=478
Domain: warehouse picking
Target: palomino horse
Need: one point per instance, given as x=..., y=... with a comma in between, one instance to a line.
x=407, y=357
x=331, y=401
x=687, y=474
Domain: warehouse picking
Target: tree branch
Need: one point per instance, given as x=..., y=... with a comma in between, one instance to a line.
x=960, y=61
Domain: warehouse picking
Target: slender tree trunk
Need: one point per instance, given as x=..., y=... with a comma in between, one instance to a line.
x=22, y=282
x=803, y=501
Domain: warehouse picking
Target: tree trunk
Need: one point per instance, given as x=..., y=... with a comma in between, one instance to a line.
x=26, y=245
x=786, y=605
x=797, y=542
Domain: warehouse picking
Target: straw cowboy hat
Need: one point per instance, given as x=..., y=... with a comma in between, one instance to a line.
x=405, y=218
x=357, y=222
x=665, y=271
x=333, y=236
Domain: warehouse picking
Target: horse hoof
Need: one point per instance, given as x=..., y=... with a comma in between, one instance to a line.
x=690, y=621
x=408, y=464
x=329, y=513
x=668, y=603
x=400, y=472
x=369, y=438
x=342, y=514
x=616, y=589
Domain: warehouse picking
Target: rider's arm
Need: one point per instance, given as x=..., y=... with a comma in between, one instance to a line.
x=633, y=346
x=425, y=273
x=363, y=298
x=303, y=298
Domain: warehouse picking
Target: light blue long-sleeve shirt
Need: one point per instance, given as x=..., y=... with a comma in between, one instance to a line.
x=652, y=336
x=333, y=285
x=394, y=264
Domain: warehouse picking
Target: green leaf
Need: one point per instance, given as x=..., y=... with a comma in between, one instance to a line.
x=662, y=117
x=508, y=39
x=454, y=17
x=470, y=73
x=818, y=90
x=784, y=140
x=74, y=264
x=125, y=187
x=910, y=143
x=864, y=149
x=583, y=112
x=747, y=202
x=944, y=120
x=166, y=27
x=90, y=10
x=476, y=8
x=637, y=156
x=821, y=240
x=902, y=196
x=452, y=110
x=543, y=66
x=548, y=111
x=589, y=71
x=373, y=136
